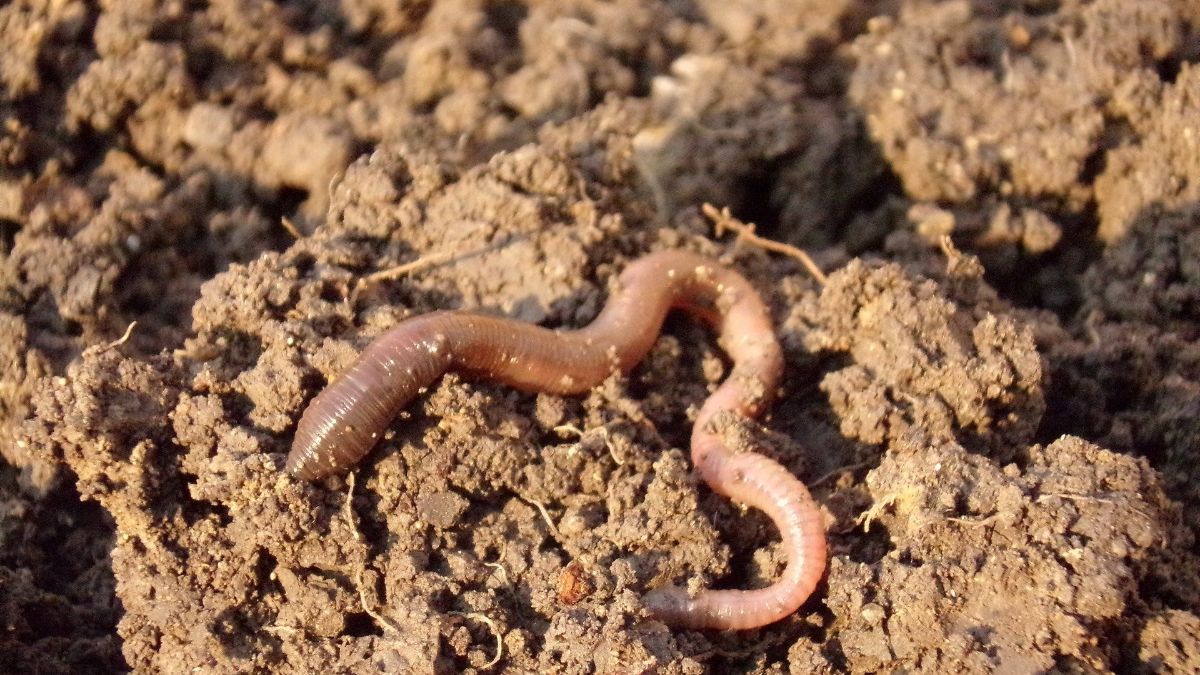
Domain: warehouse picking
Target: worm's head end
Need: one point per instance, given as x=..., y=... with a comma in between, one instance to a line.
x=669, y=604
x=301, y=465
x=314, y=446
x=309, y=459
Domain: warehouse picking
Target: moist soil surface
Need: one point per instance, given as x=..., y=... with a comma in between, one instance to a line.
x=207, y=209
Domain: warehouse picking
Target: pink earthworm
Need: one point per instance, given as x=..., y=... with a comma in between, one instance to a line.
x=344, y=421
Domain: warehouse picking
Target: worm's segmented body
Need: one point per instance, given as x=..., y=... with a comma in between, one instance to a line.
x=344, y=421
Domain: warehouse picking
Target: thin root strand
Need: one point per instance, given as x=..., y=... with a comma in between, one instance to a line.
x=724, y=220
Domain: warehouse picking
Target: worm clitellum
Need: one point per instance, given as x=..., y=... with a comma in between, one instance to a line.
x=346, y=419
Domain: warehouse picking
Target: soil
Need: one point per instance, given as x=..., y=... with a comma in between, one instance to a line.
x=995, y=396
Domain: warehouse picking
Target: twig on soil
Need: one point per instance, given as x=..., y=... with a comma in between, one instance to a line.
x=384, y=622
x=724, y=220
x=409, y=267
x=564, y=429
x=431, y=260
x=948, y=248
x=500, y=566
x=1089, y=325
x=424, y=262
x=350, y=520
x=1073, y=497
x=612, y=452
x=491, y=623
x=290, y=227
x=121, y=340
x=545, y=514
x=872, y=513
x=503, y=571
x=973, y=523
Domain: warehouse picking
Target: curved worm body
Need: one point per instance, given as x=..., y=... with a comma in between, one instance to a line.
x=346, y=419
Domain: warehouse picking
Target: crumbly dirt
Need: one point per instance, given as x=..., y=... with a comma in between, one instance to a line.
x=995, y=396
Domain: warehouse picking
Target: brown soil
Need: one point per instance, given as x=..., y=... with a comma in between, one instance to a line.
x=1003, y=431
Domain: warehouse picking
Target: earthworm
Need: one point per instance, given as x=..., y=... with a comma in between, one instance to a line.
x=346, y=419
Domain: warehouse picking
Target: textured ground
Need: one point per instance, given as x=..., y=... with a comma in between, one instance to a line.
x=995, y=396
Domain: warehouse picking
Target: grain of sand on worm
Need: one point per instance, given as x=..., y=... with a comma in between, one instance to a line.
x=343, y=423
